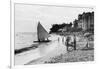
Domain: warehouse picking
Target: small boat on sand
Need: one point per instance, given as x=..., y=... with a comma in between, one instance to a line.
x=42, y=34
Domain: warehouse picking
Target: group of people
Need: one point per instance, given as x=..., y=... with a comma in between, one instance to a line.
x=68, y=43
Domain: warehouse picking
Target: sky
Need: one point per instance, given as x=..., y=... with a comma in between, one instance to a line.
x=28, y=16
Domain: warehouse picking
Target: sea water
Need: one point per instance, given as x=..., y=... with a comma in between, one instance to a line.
x=24, y=39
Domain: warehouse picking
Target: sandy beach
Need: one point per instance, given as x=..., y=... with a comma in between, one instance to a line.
x=54, y=52
x=45, y=50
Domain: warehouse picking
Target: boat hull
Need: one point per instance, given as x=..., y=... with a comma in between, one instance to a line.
x=42, y=41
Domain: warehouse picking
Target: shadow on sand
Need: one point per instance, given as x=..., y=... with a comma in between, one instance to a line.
x=33, y=46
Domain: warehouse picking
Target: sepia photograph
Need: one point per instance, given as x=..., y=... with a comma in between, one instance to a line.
x=49, y=34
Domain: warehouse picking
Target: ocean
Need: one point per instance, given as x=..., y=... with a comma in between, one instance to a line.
x=24, y=39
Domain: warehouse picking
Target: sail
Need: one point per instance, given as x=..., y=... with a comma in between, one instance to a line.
x=42, y=33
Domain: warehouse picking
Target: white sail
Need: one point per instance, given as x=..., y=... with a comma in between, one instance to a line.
x=42, y=33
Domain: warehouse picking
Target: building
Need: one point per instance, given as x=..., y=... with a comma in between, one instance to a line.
x=75, y=22
x=86, y=21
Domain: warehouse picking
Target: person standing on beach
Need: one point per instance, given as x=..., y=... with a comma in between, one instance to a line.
x=74, y=42
x=58, y=39
x=63, y=39
x=67, y=43
x=87, y=44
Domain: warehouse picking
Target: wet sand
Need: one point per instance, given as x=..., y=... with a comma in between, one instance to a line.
x=44, y=51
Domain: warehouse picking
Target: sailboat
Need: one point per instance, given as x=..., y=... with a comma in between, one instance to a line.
x=42, y=34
